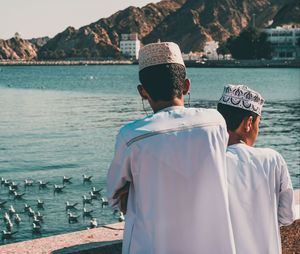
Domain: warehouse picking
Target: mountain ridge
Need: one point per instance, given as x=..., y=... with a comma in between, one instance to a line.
x=190, y=23
x=102, y=37
x=202, y=20
x=17, y=49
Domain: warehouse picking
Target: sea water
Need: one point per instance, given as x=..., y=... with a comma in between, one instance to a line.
x=60, y=121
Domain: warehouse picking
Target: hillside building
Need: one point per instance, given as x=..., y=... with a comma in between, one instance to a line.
x=130, y=45
x=192, y=56
x=284, y=42
x=210, y=50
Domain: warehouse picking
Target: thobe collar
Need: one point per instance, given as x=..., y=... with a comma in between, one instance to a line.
x=239, y=144
x=169, y=109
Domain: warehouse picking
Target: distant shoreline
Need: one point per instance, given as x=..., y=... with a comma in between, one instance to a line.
x=64, y=62
x=191, y=63
x=244, y=64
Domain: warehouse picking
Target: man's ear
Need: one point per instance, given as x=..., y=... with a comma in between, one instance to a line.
x=248, y=122
x=186, y=87
x=143, y=93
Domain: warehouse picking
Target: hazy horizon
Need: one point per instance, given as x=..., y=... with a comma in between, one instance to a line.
x=35, y=18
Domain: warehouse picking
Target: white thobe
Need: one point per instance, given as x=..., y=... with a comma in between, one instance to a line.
x=260, y=198
x=178, y=203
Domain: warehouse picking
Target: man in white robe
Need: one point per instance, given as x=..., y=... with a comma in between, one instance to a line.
x=260, y=188
x=173, y=163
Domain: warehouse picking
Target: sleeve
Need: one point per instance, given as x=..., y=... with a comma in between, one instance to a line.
x=119, y=172
x=286, y=206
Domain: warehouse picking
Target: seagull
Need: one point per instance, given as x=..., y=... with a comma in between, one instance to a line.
x=6, y=217
x=121, y=217
x=14, y=185
x=7, y=183
x=18, y=219
x=11, y=211
x=40, y=203
x=70, y=206
x=28, y=183
x=2, y=180
x=58, y=188
x=93, y=196
x=9, y=225
x=11, y=190
x=43, y=185
x=36, y=229
x=104, y=202
x=26, y=207
x=87, y=213
x=7, y=235
x=86, y=200
x=66, y=180
x=96, y=192
x=87, y=178
x=31, y=213
x=36, y=221
x=93, y=223
x=39, y=216
x=18, y=196
x=73, y=218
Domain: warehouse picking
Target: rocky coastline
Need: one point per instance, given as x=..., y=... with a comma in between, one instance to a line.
x=193, y=64
x=64, y=62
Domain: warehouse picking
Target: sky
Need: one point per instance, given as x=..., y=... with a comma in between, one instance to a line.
x=38, y=18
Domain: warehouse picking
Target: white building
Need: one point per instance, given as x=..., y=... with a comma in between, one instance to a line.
x=192, y=56
x=210, y=50
x=284, y=42
x=130, y=45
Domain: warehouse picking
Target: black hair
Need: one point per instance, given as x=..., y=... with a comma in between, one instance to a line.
x=234, y=116
x=163, y=82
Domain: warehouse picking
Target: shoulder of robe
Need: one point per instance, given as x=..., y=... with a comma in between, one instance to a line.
x=270, y=155
x=212, y=115
x=129, y=130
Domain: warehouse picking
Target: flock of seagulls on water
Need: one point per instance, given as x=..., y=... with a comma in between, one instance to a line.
x=11, y=217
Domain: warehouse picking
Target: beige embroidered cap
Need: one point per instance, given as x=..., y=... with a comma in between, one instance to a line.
x=243, y=97
x=159, y=53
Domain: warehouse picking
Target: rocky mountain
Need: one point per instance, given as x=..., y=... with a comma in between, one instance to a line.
x=288, y=14
x=17, y=49
x=39, y=42
x=102, y=38
x=199, y=21
x=190, y=23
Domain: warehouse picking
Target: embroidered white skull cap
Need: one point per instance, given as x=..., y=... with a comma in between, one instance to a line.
x=241, y=96
x=159, y=53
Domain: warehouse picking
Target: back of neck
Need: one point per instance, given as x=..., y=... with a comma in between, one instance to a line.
x=234, y=138
x=159, y=105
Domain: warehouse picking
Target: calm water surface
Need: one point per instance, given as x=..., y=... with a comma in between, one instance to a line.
x=57, y=121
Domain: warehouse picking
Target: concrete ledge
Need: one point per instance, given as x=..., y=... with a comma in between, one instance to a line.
x=93, y=248
x=108, y=240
